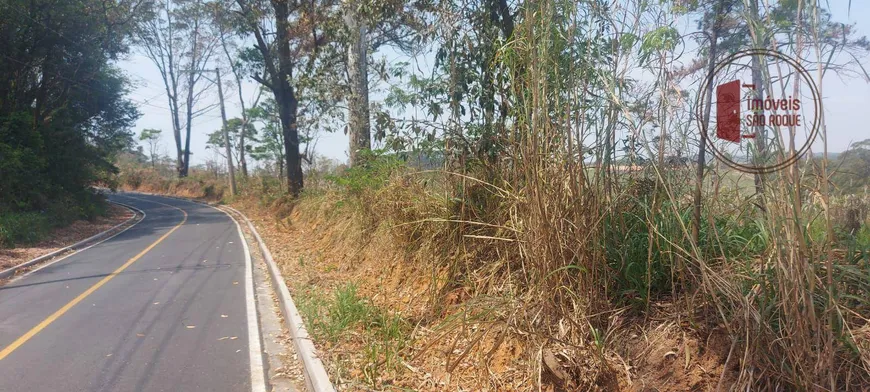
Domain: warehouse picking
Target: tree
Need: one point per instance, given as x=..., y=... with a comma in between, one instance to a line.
x=63, y=114
x=851, y=172
x=227, y=26
x=714, y=31
x=297, y=35
x=237, y=130
x=271, y=146
x=369, y=26
x=152, y=137
x=359, y=131
x=174, y=35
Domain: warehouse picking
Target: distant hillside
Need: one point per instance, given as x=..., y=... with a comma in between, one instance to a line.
x=831, y=155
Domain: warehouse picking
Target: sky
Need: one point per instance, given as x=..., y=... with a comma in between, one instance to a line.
x=845, y=100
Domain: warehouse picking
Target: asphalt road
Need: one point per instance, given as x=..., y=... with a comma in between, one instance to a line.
x=162, y=306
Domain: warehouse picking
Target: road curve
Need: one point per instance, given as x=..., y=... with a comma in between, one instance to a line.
x=160, y=307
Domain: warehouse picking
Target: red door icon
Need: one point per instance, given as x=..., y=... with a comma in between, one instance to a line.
x=728, y=111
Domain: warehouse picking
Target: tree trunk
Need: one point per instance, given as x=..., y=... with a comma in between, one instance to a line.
x=285, y=96
x=359, y=131
x=702, y=148
x=288, y=106
x=172, y=95
x=176, y=122
x=189, y=108
x=243, y=165
x=280, y=72
x=759, y=131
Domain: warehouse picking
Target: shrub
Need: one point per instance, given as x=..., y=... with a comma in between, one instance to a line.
x=23, y=228
x=371, y=174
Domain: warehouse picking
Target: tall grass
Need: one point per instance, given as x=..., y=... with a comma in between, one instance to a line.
x=569, y=241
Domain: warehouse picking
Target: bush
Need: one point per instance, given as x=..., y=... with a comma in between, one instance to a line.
x=29, y=227
x=371, y=174
x=23, y=228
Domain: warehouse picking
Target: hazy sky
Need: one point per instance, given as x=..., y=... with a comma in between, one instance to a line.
x=846, y=101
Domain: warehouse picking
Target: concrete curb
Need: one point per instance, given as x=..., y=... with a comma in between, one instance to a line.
x=78, y=245
x=316, y=377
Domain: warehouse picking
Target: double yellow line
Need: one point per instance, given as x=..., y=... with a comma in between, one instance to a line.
x=50, y=319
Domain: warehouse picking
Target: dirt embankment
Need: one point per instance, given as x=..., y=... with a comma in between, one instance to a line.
x=63, y=237
x=350, y=281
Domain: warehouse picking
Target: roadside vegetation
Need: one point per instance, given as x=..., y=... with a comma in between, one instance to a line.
x=540, y=215
x=63, y=114
x=403, y=278
x=528, y=203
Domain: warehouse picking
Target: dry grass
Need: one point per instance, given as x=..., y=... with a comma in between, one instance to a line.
x=514, y=288
x=539, y=270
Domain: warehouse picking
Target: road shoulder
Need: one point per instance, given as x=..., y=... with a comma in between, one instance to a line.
x=283, y=367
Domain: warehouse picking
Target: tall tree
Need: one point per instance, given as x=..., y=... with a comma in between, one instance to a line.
x=370, y=25
x=175, y=36
x=716, y=17
x=271, y=146
x=359, y=129
x=63, y=114
x=236, y=129
x=297, y=35
x=227, y=26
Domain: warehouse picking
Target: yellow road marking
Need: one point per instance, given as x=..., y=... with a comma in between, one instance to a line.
x=48, y=320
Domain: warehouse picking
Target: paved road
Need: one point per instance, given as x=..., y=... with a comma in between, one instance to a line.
x=161, y=307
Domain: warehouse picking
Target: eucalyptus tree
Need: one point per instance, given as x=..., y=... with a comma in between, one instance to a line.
x=176, y=36
x=285, y=34
x=271, y=142
x=463, y=103
x=238, y=131
x=368, y=26
x=229, y=27
x=359, y=131
x=152, y=137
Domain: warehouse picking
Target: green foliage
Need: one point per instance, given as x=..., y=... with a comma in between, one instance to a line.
x=664, y=38
x=645, y=267
x=29, y=227
x=236, y=132
x=63, y=115
x=852, y=168
x=344, y=314
x=152, y=137
x=372, y=173
x=271, y=141
x=862, y=239
x=18, y=228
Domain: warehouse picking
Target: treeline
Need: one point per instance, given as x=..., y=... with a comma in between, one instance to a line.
x=63, y=114
x=311, y=60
